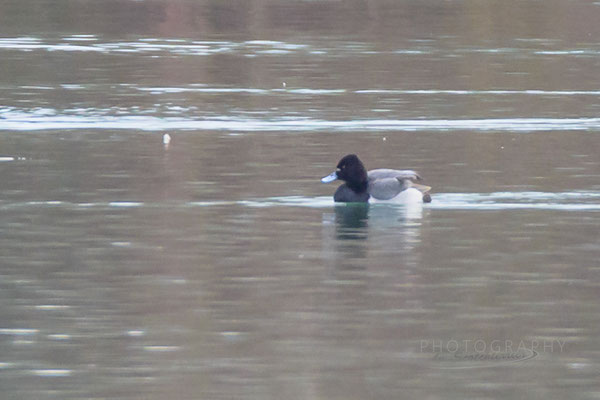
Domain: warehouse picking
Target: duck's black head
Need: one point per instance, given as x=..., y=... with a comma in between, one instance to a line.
x=352, y=171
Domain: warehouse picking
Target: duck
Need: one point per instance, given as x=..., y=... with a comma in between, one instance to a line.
x=377, y=185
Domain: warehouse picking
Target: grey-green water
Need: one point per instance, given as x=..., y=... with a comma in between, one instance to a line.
x=217, y=267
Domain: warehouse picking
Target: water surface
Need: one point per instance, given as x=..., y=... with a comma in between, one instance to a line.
x=218, y=266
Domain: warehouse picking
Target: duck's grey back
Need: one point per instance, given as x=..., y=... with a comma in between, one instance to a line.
x=385, y=184
x=393, y=173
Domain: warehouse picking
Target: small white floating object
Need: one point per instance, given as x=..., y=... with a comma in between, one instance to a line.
x=11, y=158
x=125, y=204
x=166, y=139
x=59, y=336
x=52, y=372
x=157, y=348
x=284, y=85
x=52, y=307
x=384, y=138
x=18, y=331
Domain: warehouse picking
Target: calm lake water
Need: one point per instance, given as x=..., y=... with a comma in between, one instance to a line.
x=218, y=267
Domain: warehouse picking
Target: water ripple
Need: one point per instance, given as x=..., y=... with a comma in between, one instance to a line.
x=562, y=201
x=31, y=120
x=254, y=48
x=565, y=201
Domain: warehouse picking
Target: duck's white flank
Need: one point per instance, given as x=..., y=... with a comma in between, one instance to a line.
x=407, y=196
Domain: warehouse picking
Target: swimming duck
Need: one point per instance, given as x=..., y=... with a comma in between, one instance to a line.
x=377, y=185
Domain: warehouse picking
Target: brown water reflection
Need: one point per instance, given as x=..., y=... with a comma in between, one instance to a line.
x=219, y=268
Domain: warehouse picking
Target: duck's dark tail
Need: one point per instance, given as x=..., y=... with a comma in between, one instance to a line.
x=423, y=189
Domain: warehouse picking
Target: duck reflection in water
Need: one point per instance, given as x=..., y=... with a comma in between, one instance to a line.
x=358, y=230
x=349, y=239
x=351, y=221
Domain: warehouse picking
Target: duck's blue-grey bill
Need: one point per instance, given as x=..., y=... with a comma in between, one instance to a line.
x=329, y=178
